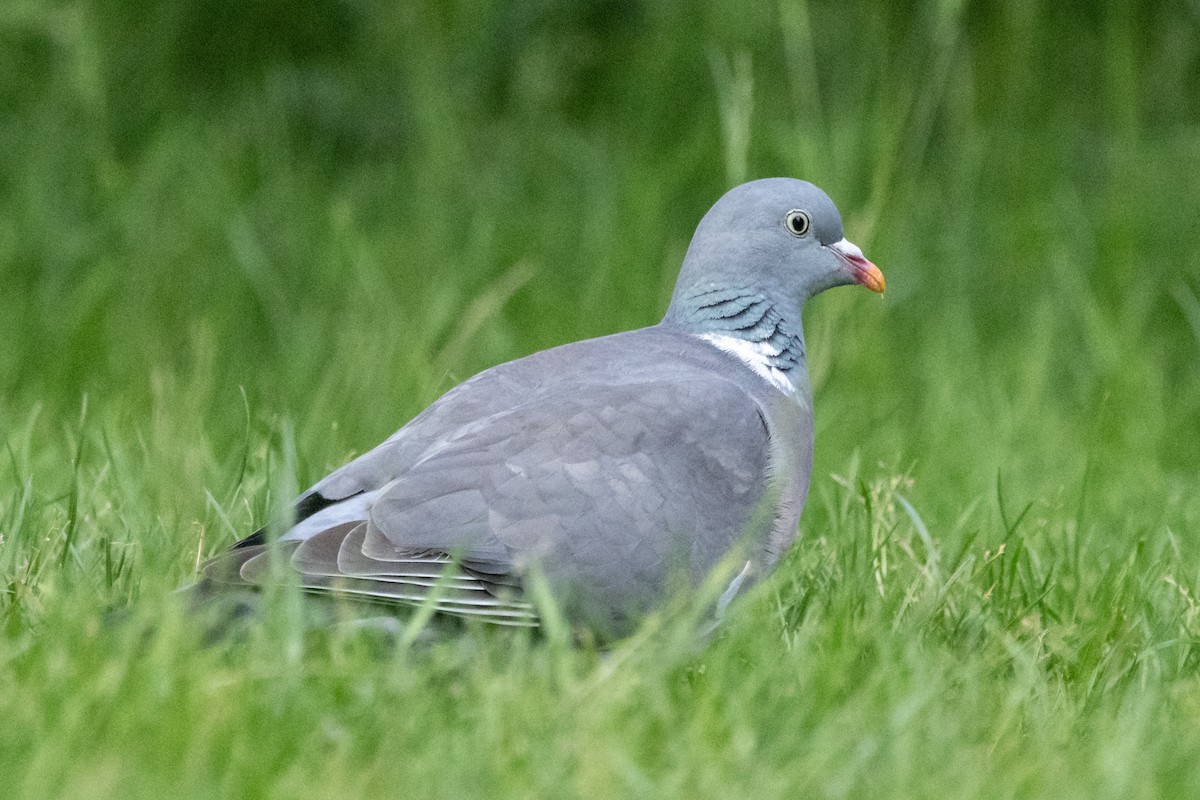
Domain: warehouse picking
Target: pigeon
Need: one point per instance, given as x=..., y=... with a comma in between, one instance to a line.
x=615, y=470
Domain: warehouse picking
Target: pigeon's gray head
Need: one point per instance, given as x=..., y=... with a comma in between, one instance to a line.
x=778, y=237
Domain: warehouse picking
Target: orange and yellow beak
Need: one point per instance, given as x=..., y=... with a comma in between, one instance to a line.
x=864, y=272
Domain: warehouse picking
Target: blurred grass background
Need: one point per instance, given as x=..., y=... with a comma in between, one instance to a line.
x=242, y=241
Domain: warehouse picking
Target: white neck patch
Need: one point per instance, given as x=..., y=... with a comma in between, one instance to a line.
x=757, y=356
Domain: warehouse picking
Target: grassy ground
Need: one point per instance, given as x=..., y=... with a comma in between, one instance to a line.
x=240, y=244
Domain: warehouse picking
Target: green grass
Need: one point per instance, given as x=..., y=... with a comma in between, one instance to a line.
x=238, y=244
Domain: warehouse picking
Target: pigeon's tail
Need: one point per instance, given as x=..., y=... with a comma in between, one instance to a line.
x=333, y=563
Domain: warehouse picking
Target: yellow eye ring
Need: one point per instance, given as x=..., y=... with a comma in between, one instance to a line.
x=797, y=222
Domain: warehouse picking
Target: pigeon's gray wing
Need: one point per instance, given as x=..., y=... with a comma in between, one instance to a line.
x=608, y=489
x=630, y=359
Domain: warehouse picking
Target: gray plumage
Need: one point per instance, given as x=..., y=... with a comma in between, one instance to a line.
x=612, y=465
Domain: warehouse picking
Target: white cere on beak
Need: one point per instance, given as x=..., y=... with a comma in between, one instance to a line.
x=848, y=249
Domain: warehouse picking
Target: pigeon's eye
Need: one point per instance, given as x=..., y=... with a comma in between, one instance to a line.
x=798, y=222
